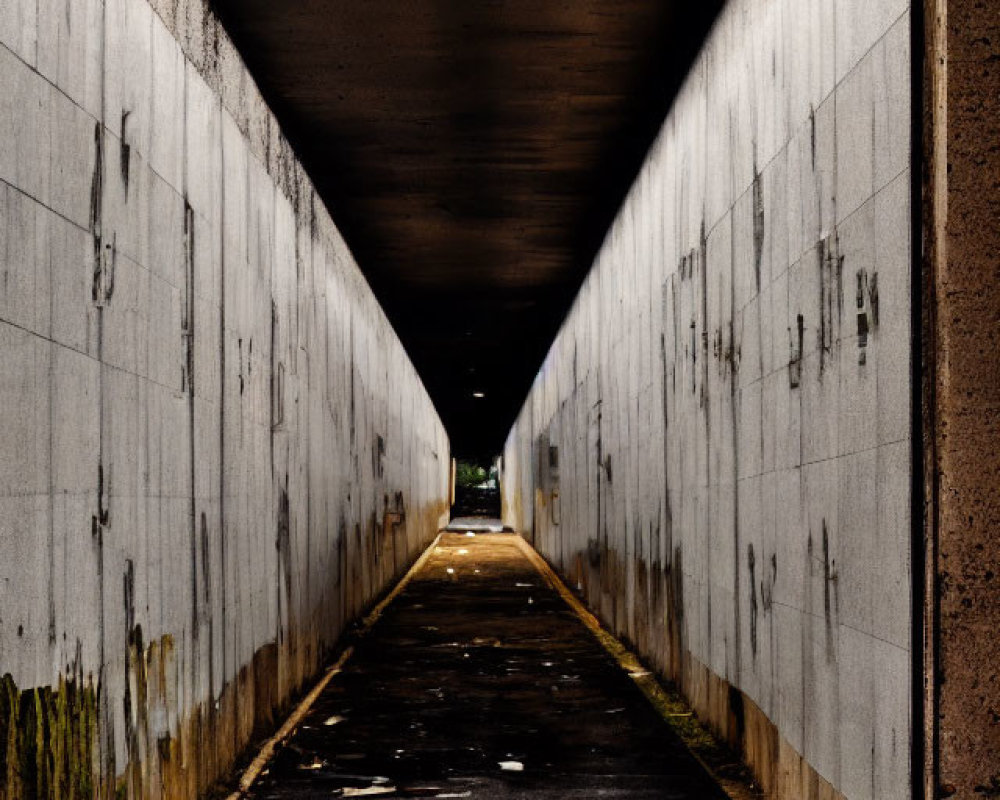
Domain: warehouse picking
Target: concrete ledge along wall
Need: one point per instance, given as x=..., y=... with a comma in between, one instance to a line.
x=716, y=451
x=215, y=450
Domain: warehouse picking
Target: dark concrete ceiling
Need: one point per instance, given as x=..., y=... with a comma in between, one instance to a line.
x=473, y=154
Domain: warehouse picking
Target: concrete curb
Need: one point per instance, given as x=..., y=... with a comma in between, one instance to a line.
x=267, y=750
x=664, y=702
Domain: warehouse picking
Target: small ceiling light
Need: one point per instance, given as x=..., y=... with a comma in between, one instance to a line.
x=479, y=395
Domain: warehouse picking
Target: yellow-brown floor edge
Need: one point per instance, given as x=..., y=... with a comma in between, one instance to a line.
x=669, y=705
x=267, y=749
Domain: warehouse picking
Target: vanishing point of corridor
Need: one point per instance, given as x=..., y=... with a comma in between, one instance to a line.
x=479, y=681
x=707, y=295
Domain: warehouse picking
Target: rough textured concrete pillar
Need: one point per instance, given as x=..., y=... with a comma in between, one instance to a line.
x=962, y=396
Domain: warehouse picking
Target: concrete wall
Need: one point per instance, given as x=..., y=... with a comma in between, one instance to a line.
x=717, y=451
x=215, y=451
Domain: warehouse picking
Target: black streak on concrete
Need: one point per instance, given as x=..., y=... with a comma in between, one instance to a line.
x=284, y=548
x=96, y=202
x=758, y=222
x=467, y=670
x=751, y=563
x=126, y=152
x=812, y=136
x=829, y=590
x=795, y=359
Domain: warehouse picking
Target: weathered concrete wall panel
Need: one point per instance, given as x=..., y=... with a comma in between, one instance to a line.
x=716, y=450
x=216, y=451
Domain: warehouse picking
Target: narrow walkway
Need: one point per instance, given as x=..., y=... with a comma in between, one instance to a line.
x=480, y=682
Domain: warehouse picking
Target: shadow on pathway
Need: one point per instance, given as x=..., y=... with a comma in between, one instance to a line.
x=479, y=681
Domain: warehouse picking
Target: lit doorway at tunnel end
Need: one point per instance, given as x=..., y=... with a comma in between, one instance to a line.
x=476, y=493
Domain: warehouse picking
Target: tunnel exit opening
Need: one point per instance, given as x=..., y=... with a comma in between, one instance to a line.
x=477, y=488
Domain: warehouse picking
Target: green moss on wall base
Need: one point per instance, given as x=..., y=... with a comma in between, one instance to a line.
x=48, y=737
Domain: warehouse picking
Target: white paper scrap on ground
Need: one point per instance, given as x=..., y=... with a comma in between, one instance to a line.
x=368, y=791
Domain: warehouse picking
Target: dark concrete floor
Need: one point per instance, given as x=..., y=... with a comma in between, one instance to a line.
x=480, y=682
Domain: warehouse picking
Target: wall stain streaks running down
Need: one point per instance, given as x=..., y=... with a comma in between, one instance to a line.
x=745, y=333
x=194, y=371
